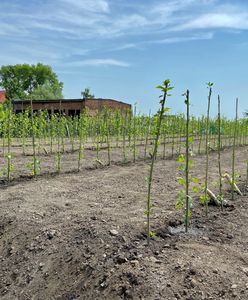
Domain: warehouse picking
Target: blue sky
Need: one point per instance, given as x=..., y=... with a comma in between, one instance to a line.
x=122, y=49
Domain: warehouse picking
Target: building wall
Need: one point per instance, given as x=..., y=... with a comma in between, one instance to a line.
x=52, y=105
x=2, y=96
x=99, y=104
x=72, y=107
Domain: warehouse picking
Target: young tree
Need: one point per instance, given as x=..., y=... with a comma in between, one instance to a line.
x=21, y=80
x=86, y=94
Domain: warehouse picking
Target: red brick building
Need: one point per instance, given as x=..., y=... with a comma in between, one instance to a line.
x=2, y=96
x=71, y=107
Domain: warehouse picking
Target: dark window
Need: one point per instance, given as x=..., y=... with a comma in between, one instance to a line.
x=77, y=112
x=71, y=112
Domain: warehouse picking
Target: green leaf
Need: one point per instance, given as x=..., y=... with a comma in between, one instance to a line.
x=210, y=84
x=152, y=234
x=195, y=190
x=181, y=195
x=181, y=181
x=179, y=204
x=190, y=163
x=181, y=158
x=166, y=109
x=195, y=180
x=166, y=82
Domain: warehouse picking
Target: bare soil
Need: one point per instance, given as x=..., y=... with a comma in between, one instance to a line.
x=82, y=236
x=47, y=155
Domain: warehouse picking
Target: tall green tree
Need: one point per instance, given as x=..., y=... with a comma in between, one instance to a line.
x=22, y=80
x=46, y=91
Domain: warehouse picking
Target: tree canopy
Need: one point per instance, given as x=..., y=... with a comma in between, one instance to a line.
x=46, y=91
x=87, y=94
x=24, y=81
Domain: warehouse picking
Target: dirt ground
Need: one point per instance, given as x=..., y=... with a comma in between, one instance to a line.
x=47, y=156
x=82, y=236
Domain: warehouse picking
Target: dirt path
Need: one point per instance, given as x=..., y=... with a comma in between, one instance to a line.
x=81, y=236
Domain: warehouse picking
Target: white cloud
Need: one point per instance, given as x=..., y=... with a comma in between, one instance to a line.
x=125, y=46
x=217, y=20
x=96, y=6
x=11, y=30
x=82, y=19
x=89, y=19
x=172, y=40
x=67, y=26
x=98, y=62
x=169, y=40
x=170, y=7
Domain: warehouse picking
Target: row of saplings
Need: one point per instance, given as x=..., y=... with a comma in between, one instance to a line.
x=39, y=134
x=188, y=183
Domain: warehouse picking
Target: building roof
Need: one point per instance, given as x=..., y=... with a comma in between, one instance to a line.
x=67, y=100
x=48, y=101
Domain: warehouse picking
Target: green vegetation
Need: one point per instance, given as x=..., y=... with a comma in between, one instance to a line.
x=220, y=196
x=165, y=88
x=207, y=148
x=234, y=147
x=125, y=136
x=185, y=164
x=47, y=91
x=86, y=93
x=132, y=133
x=23, y=81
